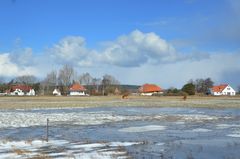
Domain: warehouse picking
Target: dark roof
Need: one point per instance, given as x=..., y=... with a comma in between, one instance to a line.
x=24, y=88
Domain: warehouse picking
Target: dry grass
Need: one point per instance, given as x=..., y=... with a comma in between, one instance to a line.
x=98, y=101
x=20, y=152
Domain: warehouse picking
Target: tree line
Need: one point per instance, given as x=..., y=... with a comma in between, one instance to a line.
x=63, y=79
x=199, y=86
x=108, y=84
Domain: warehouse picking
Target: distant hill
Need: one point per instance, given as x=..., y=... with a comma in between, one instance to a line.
x=123, y=88
x=130, y=88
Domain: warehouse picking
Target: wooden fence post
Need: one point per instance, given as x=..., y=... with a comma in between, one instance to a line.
x=47, y=130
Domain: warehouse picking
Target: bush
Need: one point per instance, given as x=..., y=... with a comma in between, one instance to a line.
x=189, y=89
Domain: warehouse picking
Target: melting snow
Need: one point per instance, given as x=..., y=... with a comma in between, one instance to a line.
x=201, y=130
x=63, y=149
x=233, y=135
x=27, y=119
x=143, y=128
x=226, y=126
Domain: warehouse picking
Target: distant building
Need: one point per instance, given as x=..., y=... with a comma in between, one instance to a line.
x=223, y=89
x=56, y=92
x=150, y=89
x=77, y=90
x=21, y=90
x=117, y=91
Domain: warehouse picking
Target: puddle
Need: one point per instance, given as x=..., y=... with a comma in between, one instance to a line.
x=121, y=132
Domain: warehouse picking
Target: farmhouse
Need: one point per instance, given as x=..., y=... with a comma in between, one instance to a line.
x=150, y=89
x=56, y=92
x=77, y=90
x=21, y=90
x=223, y=89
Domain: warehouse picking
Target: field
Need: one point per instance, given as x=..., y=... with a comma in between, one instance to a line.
x=63, y=102
x=115, y=128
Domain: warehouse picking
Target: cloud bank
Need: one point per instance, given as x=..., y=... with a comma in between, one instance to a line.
x=132, y=50
x=134, y=58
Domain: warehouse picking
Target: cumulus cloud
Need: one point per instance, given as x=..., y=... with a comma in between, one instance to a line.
x=138, y=48
x=219, y=66
x=135, y=58
x=8, y=68
x=132, y=50
x=22, y=56
x=72, y=49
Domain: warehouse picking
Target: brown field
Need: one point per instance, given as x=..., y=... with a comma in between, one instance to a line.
x=97, y=101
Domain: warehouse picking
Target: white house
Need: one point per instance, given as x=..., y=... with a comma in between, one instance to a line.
x=17, y=92
x=150, y=89
x=21, y=90
x=223, y=89
x=31, y=92
x=56, y=92
x=77, y=90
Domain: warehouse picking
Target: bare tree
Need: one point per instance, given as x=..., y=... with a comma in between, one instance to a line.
x=203, y=85
x=96, y=82
x=86, y=79
x=26, y=79
x=49, y=83
x=65, y=77
x=107, y=82
x=110, y=80
x=51, y=78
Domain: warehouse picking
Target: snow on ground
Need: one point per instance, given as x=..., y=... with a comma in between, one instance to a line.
x=26, y=119
x=233, y=135
x=63, y=149
x=201, y=130
x=143, y=128
x=226, y=126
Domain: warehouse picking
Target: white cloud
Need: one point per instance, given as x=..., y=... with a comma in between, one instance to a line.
x=132, y=50
x=218, y=67
x=137, y=49
x=22, y=56
x=9, y=68
x=72, y=50
x=135, y=58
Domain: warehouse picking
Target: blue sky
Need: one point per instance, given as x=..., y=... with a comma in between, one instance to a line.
x=155, y=41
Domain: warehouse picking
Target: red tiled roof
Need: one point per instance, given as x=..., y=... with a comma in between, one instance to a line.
x=219, y=88
x=146, y=88
x=77, y=87
x=24, y=88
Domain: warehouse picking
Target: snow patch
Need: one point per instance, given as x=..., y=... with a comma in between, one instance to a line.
x=226, y=126
x=233, y=135
x=13, y=119
x=160, y=144
x=143, y=128
x=201, y=130
x=65, y=149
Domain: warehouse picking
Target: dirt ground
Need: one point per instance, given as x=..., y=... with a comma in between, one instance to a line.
x=98, y=101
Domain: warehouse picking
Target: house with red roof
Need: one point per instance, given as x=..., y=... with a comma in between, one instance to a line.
x=150, y=89
x=21, y=90
x=77, y=90
x=223, y=89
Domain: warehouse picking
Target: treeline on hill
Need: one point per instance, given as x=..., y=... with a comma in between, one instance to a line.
x=64, y=78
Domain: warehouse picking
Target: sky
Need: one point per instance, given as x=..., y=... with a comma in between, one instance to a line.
x=165, y=42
